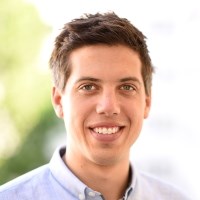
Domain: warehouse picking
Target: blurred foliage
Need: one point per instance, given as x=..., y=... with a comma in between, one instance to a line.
x=26, y=113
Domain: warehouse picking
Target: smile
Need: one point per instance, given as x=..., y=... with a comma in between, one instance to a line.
x=106, y=130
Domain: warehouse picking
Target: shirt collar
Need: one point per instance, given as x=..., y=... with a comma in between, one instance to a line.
x=71, y=183
x=64, y=176
x=132, y=182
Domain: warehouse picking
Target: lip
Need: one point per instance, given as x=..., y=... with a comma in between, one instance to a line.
x=106, y=124
x=105, y=138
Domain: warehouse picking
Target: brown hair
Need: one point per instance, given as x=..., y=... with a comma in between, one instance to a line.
x=93, y=29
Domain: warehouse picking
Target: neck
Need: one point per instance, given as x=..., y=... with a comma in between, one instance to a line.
x=110, y=180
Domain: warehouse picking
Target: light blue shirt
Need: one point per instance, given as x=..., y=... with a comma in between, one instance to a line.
x=55, y=181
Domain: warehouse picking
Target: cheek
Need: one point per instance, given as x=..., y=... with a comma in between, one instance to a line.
x=135, y=109
x=135, y=128
x=135, y=113
x=76, y=112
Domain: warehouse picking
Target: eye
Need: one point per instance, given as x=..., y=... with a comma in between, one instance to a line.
x=88, y=87
x=127, y=88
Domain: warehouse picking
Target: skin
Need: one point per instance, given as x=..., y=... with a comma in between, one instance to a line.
x=105, y=91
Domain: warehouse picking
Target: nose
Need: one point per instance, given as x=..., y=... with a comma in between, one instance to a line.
x=108, y=104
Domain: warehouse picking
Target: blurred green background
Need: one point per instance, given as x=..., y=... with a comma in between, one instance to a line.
x=26, y=114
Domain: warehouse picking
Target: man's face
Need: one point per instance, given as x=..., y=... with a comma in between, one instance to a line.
x=103, y=104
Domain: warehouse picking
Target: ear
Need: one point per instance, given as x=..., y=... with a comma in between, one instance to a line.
x=56, y=98
x=147, y=106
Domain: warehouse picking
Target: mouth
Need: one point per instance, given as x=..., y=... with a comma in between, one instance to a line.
x=106, y=130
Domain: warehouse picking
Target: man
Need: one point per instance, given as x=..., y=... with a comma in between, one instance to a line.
x=102, y=76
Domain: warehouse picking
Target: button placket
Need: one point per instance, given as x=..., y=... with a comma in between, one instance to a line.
x=91, y=194
x=81, y=197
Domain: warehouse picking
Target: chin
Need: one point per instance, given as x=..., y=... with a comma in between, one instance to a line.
x=105, y=160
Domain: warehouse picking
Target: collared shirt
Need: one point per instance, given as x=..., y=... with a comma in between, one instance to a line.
x=55, y=181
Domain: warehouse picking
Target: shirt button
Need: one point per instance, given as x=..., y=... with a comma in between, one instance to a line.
x=91, y=194
x=81, y=196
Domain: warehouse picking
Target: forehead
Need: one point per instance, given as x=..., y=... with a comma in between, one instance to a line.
x=104, y=60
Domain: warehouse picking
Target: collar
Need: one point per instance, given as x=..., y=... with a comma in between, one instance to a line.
x=70, y=183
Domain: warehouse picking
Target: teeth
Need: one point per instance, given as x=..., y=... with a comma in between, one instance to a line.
x=104, y=130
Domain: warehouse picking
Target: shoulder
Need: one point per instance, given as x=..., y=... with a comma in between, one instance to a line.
x=157, y=188
x=25, y=185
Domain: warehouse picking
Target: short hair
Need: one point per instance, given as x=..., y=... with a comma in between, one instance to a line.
x=93, y=29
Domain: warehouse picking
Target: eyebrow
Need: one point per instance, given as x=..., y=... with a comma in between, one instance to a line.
x=88, y=78
x=130, y=78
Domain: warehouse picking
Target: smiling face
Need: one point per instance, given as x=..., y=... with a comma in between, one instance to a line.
x=103, y=104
